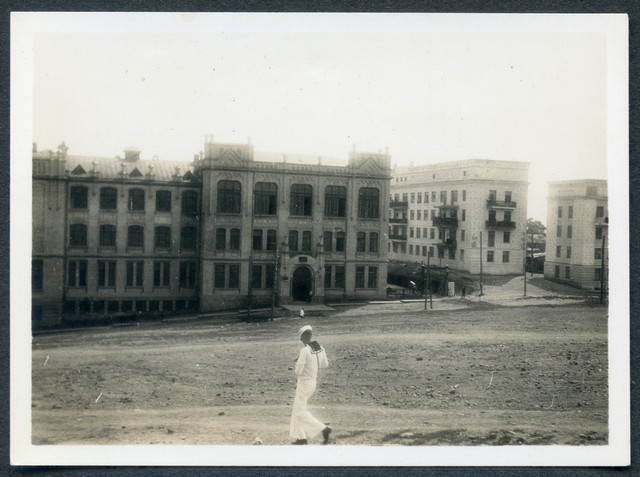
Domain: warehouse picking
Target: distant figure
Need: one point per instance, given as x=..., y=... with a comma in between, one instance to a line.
x=304, y=425
x=464, y=291
x=301, y=313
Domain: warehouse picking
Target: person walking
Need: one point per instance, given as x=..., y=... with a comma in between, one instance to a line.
x=304, y=426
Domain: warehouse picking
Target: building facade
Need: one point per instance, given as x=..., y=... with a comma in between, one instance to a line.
x=467, y=215
x=577, y=228
x=232, y=228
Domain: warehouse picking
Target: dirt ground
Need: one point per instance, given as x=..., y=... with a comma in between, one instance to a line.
x=468, y=372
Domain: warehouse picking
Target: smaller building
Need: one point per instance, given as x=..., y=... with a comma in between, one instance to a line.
x=577, y=228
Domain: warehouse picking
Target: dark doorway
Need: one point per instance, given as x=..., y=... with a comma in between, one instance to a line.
x=301, y=284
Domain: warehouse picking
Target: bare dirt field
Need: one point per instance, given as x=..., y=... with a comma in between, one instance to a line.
x=465, y=373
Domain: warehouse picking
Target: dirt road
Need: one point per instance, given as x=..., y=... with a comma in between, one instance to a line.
x=479, y=374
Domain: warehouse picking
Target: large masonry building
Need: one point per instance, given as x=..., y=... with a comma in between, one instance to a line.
x=468, y=215
x=577, y=228
x=233, y=228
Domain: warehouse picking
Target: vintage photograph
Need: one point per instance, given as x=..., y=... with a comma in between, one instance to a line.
x=385, y=239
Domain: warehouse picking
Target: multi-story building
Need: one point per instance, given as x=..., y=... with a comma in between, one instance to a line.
x=232, y=228
x=577, y=226
x=464, y=214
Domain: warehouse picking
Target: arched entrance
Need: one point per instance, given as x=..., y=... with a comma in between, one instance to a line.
x=301, y=284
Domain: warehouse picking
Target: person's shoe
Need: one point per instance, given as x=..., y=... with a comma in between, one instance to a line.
x=325, y=434
x=300, y=442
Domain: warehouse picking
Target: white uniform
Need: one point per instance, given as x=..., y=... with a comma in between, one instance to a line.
x=303, y=424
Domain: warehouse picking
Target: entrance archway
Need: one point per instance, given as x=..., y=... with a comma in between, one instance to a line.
x=301, y=284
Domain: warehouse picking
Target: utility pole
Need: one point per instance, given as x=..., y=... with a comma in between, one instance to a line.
x=481, y=292
x=602, y=281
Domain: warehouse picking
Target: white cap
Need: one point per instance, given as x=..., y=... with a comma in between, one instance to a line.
x=304, y=329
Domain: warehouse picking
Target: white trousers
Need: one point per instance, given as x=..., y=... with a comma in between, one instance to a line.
x=303, y=424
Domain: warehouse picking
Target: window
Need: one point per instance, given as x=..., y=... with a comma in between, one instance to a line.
x=558, y=251
x=327, y=276
x=270, y=276
x=272, y=241
x=340, y=239
x=373, y=242
x=256, y=276
x=234, y=275
x=265, y=198
x=163, y=201
x=77, y=235
x=188, y=272
x=569, y=251
x=135, y=236
x=306, y=241
x=293, y=240
x=506, y=237
x=37, y=274
x=567, y=273
x=597, y=254
x=234, y=239
x=108, y=198
x=339, y=273
x=107, y=235
x=570, y=212
x=599, y=233
x=368, y=203
x=327, y=241
x=492, y=238
x=372, y=279
x=257, y=240
x=219, y=276
x=79, y=197
x=569, y=231
x=505, y=256
x=490, y=256
x=599, y=211
x=229, y=197
x=136, y=199
x=361, y=241
x=161, y=274
x=301, y=201
x=190, y=203
x=359, y=277
x=107, y=274
x=221, y=239
x=135, y=274
x=559, y=231
x=188, y=238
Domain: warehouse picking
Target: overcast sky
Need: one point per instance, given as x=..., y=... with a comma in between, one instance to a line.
x=428, y=92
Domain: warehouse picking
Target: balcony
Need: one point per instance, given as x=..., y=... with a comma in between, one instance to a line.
x=500, y=225
x=448, y=244
x=445, y=221
x=501, y=204
x=399, y=221
x=398, y=237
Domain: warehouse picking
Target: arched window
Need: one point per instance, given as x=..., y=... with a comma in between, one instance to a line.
x=301, y=200
x=79, y=196
x=335, y=201
x=108, y=198
x=107, y=235
x=229, y=197
x=136, y=199
x=369, y=203
x=265, y=198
